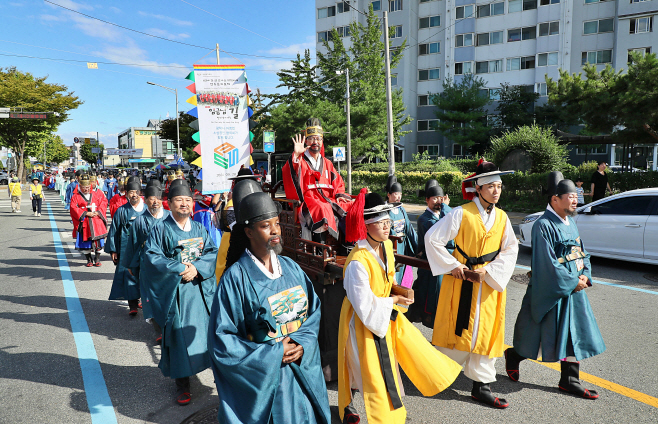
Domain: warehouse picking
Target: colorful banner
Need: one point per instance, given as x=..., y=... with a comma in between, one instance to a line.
x=124, y=152
x=221, y=106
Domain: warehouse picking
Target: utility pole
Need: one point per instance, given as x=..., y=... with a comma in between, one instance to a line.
x=389, y=104
x=217, y=50
x=349, y=135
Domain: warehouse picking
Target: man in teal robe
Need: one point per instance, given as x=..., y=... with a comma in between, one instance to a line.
x=263, y=335
x=124, y=285
x=179, y=258
x=556, y=321
x=427, y=286
x=401, y=227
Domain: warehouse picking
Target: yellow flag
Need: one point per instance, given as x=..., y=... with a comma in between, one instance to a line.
x=92, y=65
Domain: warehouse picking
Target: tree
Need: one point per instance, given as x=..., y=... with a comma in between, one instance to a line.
x=540, y=144
x=56, y=151
x=516, y=106
x=87, y=155
x=167, y=131
x=612, y=102
x=23, y=90
x=461, y=114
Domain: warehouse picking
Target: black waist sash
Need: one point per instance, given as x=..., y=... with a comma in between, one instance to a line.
x=387, y=370
x=466, y=295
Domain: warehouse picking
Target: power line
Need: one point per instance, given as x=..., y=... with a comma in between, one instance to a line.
x=167, y=39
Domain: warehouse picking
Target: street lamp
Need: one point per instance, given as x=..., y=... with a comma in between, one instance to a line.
x=175, y=91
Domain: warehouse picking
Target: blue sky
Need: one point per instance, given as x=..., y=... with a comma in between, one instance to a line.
x=117, y=97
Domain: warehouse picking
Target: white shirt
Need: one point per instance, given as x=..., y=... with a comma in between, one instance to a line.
x=315, y=163
x=435, y=213
x=276, y=265
x=139, y=207
x=187, y=227
x=159, y=214
x=564, y=220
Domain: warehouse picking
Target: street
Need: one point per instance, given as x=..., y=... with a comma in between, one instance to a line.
x=68, y=355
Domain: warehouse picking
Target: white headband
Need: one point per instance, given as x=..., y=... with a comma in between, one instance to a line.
x=377, y=218
x=488, y=180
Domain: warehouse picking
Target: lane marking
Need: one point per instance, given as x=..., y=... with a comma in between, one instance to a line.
x=604, y=283
x=98, y=398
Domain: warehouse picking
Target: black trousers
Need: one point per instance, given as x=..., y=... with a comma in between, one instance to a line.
x=36, y=204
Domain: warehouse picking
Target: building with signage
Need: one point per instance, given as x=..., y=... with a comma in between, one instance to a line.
x=154, y=149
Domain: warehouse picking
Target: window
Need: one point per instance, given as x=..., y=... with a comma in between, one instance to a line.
x=429, y=22
x=529, y=4
x=489, y=66
x=491, y=9
x=632, y=1
x=514, y=6
x=343, y=6
x=491, y=93
x=465, y=11
x=632, y=205
x=547, y=59
x=376, y=5
x=518, y=34
x=424, y=100
x=395, y=31
x=599, y=26
x=394, y=79
x=430, y=48
x=642, y=51
x=432, y=150
x=457, y=150
x=518, y=63
x=324, y=36
x=428, y=125
x=541, y=89
x=489, y=38
x=547, y=2
x=394, y=5
x=429, y=74
x=463, y=40
x=343, y=31
x=597, y=57
x=463, y=68
x=640, y=25
x=326, y=12
x=600, y=150
x=595, y=1
x=549, y=28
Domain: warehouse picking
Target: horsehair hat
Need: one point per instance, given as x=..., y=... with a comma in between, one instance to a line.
x=242, y=189
x=134, y=183
x=244, y=174
x=153, y=190
x=558, y=185
x=366, y=209
x=179, y=190
x=483, y=175
x=257, y=207
x=434, y=190
x=392, y=185
x=178, y=182
x=154, y=183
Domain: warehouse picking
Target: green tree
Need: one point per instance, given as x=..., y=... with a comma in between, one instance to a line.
x=461, y=114
x=167, y=131
x=546, y=152
x=299, y=80
x=87, y=155
x=56, y=151
x=610, y=101
x=23, y=90
x=515, y=106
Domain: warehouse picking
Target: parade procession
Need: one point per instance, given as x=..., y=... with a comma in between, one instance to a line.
x=297, y=242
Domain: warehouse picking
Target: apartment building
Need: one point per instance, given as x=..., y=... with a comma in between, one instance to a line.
x=513, y=41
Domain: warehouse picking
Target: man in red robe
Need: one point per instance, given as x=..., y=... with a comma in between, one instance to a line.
x=312, y=179
x=88, y=215
x=118, y=199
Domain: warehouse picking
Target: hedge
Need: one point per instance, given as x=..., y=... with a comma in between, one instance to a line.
x=411, y=181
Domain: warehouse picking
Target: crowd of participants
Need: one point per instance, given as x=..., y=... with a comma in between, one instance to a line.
x=209, y=275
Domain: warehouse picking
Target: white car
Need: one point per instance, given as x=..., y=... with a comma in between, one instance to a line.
x=623, y=226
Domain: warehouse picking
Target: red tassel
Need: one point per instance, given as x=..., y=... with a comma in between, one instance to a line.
x=355, y=225
x=470, y=195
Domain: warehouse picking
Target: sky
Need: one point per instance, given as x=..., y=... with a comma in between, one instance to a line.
x=117, y=97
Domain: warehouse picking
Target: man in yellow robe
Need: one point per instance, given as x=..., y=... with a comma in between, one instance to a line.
x=373, y=336
x=470, y=320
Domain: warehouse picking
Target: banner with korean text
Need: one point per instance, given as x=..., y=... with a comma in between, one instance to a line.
x=221, y=106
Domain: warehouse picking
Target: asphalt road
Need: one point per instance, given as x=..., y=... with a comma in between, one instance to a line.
x=40, y=370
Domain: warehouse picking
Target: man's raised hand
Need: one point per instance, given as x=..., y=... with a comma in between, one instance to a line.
x=299, y=142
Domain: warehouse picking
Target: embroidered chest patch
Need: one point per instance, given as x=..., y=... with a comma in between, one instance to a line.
x=290, y=310
x=192, y=249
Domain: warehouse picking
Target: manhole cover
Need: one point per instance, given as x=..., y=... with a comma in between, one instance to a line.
x=205, y=416
x=521, y=278
x=651, y=277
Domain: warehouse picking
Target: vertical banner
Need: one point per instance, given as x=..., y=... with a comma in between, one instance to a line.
x=221, y=99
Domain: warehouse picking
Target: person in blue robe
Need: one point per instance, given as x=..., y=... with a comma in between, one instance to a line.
x=138, y=234
x=70, y=189
x=401, y=227
x=556, y=321
x=263, y=336
x=427, y=286
x=124, y=285
x=110, y=187
x=179, y=258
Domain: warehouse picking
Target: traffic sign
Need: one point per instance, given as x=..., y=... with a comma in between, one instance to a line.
x=4, y=112
x=95, y=150
x=268, y=141
x=76, y=140
x=339, y=154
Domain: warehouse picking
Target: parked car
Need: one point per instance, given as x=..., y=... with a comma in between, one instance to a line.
x=623, y=226
x=4, y=178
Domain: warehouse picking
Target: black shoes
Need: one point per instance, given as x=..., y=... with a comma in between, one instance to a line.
x=482, y=393
x=183, y=396
x=570, y=381
x=512, y=361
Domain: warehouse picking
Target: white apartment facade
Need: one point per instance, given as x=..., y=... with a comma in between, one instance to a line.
x=513, y=41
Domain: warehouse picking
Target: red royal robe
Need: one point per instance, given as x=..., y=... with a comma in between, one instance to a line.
x=116, y=202
x=91, y=228
x=322, y=192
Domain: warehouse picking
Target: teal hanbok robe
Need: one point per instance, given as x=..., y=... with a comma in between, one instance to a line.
x=551, y=313
x=402, y=227
x=181, y=309
x=134, y=254
x=427, y=286
x=124, y=285
x=251, y=313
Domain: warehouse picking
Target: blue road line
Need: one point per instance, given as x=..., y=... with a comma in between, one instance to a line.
x=604, y=283
x=98, y=399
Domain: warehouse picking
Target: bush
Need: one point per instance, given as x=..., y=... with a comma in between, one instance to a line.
x=540, y=143
x=440, y=165
x=411, y=181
